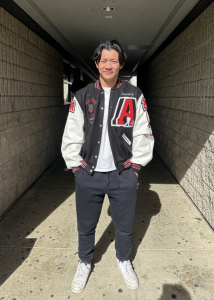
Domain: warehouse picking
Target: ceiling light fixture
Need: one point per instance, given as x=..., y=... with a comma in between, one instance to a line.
x=108, y=8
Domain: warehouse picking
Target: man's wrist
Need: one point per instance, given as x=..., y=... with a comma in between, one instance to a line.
x=75, y=169
x=136, y=168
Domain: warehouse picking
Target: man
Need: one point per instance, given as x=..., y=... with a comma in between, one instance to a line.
x=107, y=138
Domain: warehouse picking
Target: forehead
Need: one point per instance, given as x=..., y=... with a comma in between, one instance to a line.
x=109, y=54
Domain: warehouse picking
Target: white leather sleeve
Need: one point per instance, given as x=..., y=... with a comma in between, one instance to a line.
x=143, y=140
x=73, y=136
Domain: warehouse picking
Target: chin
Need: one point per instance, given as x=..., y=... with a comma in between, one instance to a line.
x=109, y=77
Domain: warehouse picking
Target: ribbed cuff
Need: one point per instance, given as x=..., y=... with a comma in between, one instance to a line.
x=136, y=168
x=75, y=169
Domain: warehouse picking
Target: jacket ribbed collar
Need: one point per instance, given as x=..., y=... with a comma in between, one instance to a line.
x=115, y=87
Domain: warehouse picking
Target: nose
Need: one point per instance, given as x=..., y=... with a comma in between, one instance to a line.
x=108, y=65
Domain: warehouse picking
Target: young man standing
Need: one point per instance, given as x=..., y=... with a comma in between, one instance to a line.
x=107, y=139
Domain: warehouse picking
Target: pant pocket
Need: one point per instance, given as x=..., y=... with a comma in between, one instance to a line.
x=77, y=173
x=135, y=176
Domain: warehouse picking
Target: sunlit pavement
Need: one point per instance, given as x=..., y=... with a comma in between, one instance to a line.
x=173, y=252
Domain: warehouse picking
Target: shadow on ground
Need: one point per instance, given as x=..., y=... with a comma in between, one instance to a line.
x=174, y=291
x=44, y=197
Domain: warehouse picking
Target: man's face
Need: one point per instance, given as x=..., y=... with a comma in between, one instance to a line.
x=109, y=65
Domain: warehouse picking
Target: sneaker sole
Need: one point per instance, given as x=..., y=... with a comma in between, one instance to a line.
x=82, y=289
x=128, y=286
x=78, y=291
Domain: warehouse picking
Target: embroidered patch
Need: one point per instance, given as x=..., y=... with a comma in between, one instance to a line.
x=90, y=103
x=90, y=108
x=126, y=139
x=144, y=104
x=124, y=114
x=127, y=94
x=91, y=120
x=72, y=106
x=92, y=100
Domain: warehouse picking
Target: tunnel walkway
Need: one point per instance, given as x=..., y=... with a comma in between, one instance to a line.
x=172, y=244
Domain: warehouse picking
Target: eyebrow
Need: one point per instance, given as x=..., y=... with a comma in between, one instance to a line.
x=110, y=59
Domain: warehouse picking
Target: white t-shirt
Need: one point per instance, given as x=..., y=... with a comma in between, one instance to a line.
x=105, y=162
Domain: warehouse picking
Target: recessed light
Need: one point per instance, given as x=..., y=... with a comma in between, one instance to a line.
x=108, y=17
x=108, y=8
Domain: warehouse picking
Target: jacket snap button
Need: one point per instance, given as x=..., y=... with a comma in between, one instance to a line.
x=95, y=156
x=98, y=142
x=100, y=125
x=101, y=107
x=90, y=171
x=92, y=167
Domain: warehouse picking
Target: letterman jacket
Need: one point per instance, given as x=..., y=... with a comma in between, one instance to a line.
x=129, y=130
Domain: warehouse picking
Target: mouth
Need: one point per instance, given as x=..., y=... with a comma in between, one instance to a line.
x=108, y=72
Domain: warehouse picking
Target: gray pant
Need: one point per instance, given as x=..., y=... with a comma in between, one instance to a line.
x=90, y=192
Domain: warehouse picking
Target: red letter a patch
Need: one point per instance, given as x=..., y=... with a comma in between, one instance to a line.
x=124, y=114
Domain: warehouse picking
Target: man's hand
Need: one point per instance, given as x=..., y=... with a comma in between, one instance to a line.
x=136, y=174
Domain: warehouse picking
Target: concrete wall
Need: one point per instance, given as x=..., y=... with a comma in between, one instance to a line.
x=32, y=115
x=179, y=86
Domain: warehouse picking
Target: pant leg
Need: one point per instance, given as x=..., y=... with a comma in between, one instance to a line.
x=122, y=195
x=89, y=200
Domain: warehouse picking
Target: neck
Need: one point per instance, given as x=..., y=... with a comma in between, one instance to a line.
x=108, y=84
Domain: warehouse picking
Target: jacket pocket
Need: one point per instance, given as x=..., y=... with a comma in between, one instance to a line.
x=129, y=147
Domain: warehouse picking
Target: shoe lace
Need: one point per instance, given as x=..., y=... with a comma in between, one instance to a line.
x=128, y=267
x=83, y=269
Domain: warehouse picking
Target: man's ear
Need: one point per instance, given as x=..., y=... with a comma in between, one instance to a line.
x=121, y=66
x=96, y=65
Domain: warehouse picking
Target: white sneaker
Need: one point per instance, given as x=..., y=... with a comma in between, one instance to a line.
x=80, y=278
x=128, y=274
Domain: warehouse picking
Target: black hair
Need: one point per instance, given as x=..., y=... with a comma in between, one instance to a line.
x=108, y=45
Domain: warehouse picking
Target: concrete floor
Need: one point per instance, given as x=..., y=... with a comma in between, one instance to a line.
x=173, y=251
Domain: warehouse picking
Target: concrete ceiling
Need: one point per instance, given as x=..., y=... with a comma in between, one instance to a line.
x=80, y=25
